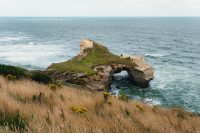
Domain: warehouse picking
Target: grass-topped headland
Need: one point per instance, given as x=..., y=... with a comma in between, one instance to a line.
x=94, y=67
x=97, y=56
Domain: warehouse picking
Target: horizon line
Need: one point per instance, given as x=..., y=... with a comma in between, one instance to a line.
x=102, y=16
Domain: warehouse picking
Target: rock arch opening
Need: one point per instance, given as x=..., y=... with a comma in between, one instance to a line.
x=121, y=77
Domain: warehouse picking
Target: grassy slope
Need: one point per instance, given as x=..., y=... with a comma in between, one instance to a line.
x=43, y=110
x=100, y=55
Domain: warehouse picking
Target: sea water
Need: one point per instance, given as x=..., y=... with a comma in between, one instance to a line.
x=170, y=45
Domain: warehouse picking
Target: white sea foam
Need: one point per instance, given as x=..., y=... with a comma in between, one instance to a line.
x=115, y=91
x=12, y=37
x=31, y=43
x=31, y=54
x=156, y=55
x=9, y=38
x=151, y=101
x=122, y=73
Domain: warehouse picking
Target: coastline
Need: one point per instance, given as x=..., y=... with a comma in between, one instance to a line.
x=28, y=98
x=26, y=44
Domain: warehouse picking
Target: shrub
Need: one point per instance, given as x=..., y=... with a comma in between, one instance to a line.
x=13, y=120
x=122, y=96
x=40, y=77
x=54, y=86
x=11, y=77
x=105, y=95
x=80, y=110
x=16, y=71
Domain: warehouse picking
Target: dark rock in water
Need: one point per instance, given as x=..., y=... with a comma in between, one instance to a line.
x=95, y=65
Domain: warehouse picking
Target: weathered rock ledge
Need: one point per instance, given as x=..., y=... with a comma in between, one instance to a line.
x=94, y=66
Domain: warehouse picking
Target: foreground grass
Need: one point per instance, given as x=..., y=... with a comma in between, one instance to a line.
x=26, y=106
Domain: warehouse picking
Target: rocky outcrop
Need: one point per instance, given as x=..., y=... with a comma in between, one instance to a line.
x=142, y=72
x=94, y=67
x=84, y=46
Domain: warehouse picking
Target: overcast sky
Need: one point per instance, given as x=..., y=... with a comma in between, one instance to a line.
x=99, y=7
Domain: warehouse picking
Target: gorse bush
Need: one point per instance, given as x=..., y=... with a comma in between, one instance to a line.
x=11, y=77
x=105, y=95
x=40, y=77
x=15, y=71
x=80, y=110
x=54, y=86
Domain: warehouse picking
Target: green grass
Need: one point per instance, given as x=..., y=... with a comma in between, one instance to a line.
x=99, y=56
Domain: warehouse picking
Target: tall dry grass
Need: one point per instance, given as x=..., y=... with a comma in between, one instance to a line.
x=38, y=109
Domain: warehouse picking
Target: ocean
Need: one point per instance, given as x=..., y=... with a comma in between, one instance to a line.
x=170, y=44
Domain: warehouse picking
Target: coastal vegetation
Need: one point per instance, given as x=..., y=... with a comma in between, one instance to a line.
x=14, y=73
x=28, y=106
x=40, y=77
x=13, y=70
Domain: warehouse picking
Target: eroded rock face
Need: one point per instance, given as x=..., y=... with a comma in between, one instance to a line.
x=140, y=70
x=85, y=46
